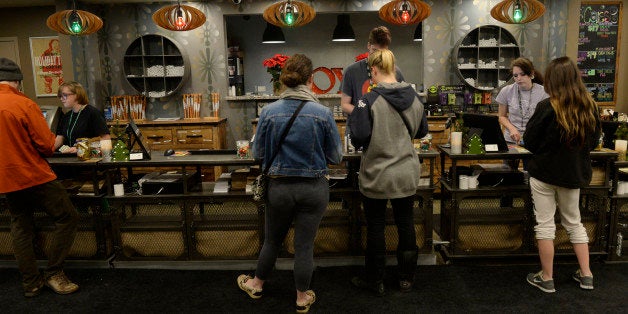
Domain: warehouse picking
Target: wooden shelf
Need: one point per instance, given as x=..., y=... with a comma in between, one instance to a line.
x=154, y=66
x=482, y=58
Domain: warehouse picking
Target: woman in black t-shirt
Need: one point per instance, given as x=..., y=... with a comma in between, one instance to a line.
x=82, y=120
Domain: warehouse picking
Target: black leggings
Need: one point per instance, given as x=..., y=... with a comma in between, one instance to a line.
x=302, y=200
x=375, y=213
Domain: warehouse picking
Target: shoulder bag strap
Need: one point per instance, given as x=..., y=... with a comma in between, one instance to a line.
x=283, y=135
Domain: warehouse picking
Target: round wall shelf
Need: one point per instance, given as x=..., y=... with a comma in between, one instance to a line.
x=482, y=57
x=154, y=66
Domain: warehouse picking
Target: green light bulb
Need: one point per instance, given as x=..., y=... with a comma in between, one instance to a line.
x=289, y=19
x=517, y=15
x=76, y=27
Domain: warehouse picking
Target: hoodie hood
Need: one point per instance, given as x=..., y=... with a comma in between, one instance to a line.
x=400, y=95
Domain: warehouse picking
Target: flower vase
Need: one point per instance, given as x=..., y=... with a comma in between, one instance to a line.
x=278, y=88
x=120, y=152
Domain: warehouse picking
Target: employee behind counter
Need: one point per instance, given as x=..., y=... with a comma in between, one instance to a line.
x=81, y=121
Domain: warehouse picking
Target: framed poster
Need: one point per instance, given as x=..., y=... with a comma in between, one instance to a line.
x=47, y=69
x=598, y=48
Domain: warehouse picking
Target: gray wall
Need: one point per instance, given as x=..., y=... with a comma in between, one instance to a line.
x=96, y=60
x=314, y=40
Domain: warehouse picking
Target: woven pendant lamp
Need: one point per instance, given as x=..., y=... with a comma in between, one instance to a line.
x=74, y=22
x=179, y=17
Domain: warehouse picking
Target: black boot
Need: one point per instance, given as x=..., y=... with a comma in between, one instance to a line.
x=406, y=261
x=374, y=278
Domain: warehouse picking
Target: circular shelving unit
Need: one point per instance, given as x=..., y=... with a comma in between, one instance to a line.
x=154, y=66
x=482, y=57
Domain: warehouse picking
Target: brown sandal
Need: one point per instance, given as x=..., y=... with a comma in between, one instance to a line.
x=304, y=308
x=405, y=285
x=253, y=293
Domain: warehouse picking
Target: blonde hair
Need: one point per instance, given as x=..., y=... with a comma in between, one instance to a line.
x=77, y=89
x=384, y=60
x=575, y=108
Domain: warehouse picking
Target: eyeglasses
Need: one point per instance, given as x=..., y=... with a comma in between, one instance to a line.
x=64, y=95
x=515, y=75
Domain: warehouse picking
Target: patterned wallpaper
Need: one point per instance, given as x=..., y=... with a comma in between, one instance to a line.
x=98, y=59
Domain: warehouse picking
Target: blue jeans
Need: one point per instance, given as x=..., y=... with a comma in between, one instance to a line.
x=302, y=201
x=52, y=198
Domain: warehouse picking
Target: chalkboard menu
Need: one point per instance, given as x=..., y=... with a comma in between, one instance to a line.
x=598, y=45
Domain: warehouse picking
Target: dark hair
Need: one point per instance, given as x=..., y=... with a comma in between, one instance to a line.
x=296, y=71
x=380, y=36
x=575, y=108
x=528, y=69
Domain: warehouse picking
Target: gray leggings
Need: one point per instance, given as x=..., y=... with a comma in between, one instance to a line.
x=298, y=199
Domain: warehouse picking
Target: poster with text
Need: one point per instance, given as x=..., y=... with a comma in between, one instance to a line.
x=47, y=69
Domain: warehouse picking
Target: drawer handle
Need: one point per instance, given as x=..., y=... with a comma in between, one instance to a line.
x=194, y=135
x=154, y=137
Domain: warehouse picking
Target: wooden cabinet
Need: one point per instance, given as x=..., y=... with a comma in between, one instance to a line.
x=438, y=130
x=201, y=133
x=482, y=58
x=154, y=66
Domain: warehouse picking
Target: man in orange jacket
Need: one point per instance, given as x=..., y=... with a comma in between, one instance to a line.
x=29, y=184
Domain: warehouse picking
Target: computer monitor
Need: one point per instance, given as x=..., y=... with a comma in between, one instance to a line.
x=52, y=114
x=488, y=128
x=135, y=134
x=609, y=128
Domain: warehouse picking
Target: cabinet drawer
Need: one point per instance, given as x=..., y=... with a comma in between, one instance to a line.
x=158, y=138
x=440, y=135
x=195, y=137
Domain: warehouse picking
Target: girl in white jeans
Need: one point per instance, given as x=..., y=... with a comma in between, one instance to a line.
x=561, y=133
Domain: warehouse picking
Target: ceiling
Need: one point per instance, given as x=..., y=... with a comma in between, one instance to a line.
x=36, y=3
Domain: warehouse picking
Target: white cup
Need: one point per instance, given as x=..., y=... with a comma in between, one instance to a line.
x=456, y=142
x=473, y=182
x=118, y=189
x=621, y=146
x=105, y=149
x=463, y=182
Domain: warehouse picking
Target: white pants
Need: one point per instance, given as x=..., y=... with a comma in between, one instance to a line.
x=546, y=197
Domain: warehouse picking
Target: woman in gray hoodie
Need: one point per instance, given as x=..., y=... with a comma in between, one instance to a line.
x=384, y=123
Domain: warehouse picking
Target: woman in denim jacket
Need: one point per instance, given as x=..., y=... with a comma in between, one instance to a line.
x=298, y=190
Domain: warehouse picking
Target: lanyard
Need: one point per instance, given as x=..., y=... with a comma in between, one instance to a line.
x=71, y=129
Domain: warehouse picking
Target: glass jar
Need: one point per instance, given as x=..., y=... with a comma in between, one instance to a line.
x=83, y=149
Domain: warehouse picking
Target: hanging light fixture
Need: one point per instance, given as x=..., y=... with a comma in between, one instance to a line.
x=179, y=17
x=404, y=12
x=418, y=32
x=517, y=11
x=343, y=30
x=273, y=35
x=289, y=13
x=74, y=22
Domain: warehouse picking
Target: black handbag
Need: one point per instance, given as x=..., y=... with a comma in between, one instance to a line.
x=260, y=185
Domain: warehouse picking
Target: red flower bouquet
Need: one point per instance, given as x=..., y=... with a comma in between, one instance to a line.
x=273, y=66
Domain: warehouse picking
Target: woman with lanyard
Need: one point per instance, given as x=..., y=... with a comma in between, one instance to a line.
x=518, y=101
x=82, y=120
